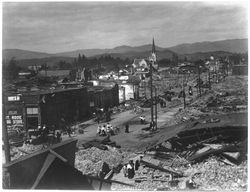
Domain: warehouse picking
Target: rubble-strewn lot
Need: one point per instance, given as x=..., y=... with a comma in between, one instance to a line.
x=90, y=160
x=210, y=157
x=215, y=175
x=25, y=149
x=225, y=97
x=208, y=175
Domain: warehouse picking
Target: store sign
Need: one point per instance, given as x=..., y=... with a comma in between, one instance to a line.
x=14, y=98
x=12, y=120
x=12, y=112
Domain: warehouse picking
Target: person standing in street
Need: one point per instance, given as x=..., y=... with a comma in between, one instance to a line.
x=131, y=170
x=142, y=118
x=127, y=128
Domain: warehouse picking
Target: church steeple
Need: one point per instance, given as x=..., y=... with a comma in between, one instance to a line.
x=153, y=53
x=153, y=46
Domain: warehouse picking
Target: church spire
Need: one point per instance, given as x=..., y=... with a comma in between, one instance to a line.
x=153, y=46
x=153, y=53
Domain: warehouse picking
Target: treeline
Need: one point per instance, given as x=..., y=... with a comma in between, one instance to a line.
x=106, y=63
x=11, y=69
x=103, y=63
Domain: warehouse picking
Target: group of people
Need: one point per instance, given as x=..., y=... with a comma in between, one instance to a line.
x=105, y=129
x=44, y=134
x=130, y=168
x=142, y=119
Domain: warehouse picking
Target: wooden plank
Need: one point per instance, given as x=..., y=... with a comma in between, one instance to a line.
x=231, y=148
x=49, y=160
x=23, y=151
x=108, y=181
x=108, y=176
x=57, y=155
x=150, y=165
x=161, y=180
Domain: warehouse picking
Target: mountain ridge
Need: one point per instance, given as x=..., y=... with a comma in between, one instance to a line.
x=230, y=45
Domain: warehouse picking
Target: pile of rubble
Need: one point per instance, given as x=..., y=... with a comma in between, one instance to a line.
x=216, y=175
x=187, y=114
x=203, y=159
x=128, y=105
x=89, y=161
x=208, y=175
x=227, y=96
x=25, y=149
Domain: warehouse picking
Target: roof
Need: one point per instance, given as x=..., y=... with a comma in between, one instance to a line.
x=50, y=91
x=98, y=88
x=138, y=61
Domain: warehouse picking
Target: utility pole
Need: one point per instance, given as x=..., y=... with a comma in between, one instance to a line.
x=6, y=138
x=209, y=81
x=199, y=80
x=183, y=90
x=217, y=80
x=155, y=108
x=151, y=92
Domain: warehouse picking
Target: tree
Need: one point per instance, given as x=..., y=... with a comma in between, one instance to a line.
x=72, y=74
x=12, y=69
x=134, y=80
x=175, y=59
x=185, y=59
x=63, y=65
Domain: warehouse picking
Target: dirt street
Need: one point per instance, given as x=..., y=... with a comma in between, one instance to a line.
x=136, y=137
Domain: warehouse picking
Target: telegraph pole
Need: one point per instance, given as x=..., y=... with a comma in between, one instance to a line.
x=183, y=90
x=156, y=108
x=199, y=82
x=209, y=81
x=151, y=92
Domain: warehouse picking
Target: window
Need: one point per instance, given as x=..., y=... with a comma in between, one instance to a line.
x=32, y=110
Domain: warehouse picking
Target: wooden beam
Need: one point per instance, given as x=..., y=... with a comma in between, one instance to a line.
x=108, y=181
x=230, y=148
x=108, y=176
x=49, y=160
x=58, y=156
x=150, y=165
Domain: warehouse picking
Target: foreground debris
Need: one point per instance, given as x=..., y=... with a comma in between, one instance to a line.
x=213, y=158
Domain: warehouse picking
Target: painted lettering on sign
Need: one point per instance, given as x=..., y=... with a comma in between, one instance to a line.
x=12, y=112
x=14, y=117
x=14, y=98
x=13, y=120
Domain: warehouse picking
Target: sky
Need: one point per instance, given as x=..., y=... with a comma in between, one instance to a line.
x=54, y=27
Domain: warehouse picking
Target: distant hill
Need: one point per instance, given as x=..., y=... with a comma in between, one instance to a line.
x=7, y=54
x=205, y=55
x=86, y=52
x=232, y=45
x=195, y=50
x=133, y=54
x=120, y=49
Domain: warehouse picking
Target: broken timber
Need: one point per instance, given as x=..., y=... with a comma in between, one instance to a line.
x=109, y=175
x=150, y=165
x=109, y=181
x=231, y=148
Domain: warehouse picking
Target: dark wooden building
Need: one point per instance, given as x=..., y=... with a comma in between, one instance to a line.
x=54, y=107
